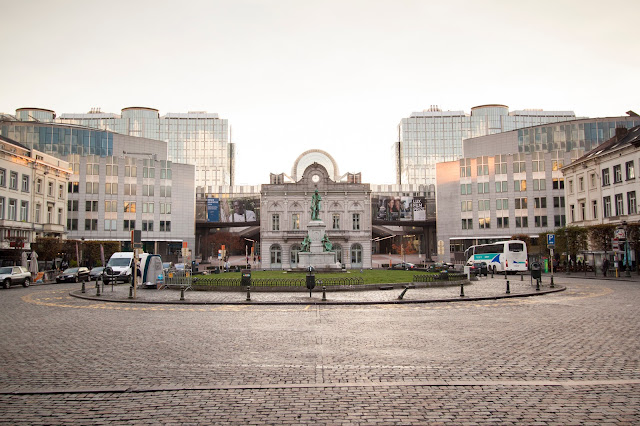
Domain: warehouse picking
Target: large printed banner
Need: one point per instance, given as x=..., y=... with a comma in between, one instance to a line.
x=232, y=210
x=400, y=208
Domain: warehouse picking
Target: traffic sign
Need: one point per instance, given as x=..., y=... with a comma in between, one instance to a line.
x=551, y=239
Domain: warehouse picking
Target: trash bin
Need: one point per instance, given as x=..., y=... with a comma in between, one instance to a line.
x=536, y=271
x=246, y=277
x=311, y=278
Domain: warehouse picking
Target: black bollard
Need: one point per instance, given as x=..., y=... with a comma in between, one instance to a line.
x=552, y=286
x=403, y=292
x=182, y=293
x=521, y=277
x=461, y=289
x=248, y=293
x=97, y=289
x=130, y=292
x=83, y=289
x=324, y=293
x=505, y=274
x=508, y=291
x=492, y=271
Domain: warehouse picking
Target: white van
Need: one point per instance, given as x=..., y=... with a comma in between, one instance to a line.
x=121, y=263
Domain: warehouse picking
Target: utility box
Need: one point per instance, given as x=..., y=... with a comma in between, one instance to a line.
x=246, y=277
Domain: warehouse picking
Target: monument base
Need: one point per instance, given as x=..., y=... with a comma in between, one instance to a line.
x=320, y=261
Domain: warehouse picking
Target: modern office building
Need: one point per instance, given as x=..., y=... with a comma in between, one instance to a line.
x=33, y=197
x=433, y=136
x=198, y=138
x=512, y=183
x=119, y=183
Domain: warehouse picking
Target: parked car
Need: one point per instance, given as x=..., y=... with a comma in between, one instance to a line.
x=12, y=275
x=478, y=268
x=405, y=266
x=437, y=267
x=96, y=273
x=73, y=275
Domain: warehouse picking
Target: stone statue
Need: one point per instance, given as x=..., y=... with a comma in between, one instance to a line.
x=326, y=244
x=315, y=206
x=306, y=244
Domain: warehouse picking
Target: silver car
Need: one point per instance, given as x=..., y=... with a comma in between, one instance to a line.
x=12, y=275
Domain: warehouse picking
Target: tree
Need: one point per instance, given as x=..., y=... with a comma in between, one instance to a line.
x=234, y=244
x=600, y=236
x=47, y=248
x=406, y=248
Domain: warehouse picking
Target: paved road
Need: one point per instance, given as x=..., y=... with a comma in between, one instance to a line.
x=565, y=358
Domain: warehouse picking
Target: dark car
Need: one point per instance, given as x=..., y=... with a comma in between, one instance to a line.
x=405, y=266
x=479, y=268
x=12, y=275
x=438, y=267
x=73, y=275
x=96, y=273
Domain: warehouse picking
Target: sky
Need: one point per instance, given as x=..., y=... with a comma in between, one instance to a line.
x=333, y=75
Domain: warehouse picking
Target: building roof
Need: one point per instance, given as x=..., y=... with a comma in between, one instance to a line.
x=11, y=141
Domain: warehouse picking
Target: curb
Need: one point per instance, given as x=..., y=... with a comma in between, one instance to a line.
x=558, y=288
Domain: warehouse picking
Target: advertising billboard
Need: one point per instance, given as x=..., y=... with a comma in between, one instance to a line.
x=400, y=208
x=213, y=209
x=239, y=210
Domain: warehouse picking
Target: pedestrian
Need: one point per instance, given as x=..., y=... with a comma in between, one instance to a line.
x=605, y=266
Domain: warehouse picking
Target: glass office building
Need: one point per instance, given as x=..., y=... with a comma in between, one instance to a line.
x=198, y=138
x=433, y=136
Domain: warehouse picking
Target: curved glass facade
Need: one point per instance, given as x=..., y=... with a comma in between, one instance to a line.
x=570, y=136
x=430, y=137
x=35, y=114
x=315, y=156
x=60, y=141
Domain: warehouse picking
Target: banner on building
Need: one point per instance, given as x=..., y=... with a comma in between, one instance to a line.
x=240, y=210
x=213, y=209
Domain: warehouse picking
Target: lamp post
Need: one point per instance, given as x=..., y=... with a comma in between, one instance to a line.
x=627, y=272
x=566, y=241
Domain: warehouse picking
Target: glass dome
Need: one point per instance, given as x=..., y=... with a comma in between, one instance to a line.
x=307, y=158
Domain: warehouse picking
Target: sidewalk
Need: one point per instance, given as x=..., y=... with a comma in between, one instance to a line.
x=484, y=288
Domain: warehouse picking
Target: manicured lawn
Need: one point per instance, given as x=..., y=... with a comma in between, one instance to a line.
x=370, y=276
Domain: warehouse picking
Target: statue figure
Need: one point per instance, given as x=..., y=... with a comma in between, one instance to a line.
x=315, y=206
x=306, y=244
x=326, y=244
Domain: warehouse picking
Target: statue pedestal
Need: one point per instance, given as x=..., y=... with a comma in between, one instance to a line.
x=316, y=256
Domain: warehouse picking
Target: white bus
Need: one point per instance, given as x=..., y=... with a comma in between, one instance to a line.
x=510, y=256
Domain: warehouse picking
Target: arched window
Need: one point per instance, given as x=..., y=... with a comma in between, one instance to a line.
x=276, y=256
x=356, y=256
x=338, y=249
x=295, y=249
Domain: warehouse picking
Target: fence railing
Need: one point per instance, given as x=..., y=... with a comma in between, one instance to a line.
x=446, y=276
x=269, y=282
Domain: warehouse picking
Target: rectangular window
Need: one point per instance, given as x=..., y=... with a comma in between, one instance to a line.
x=483, y=187
x=537, y=161
x=540, y=221
x=129, y=225
x=571, y=187
x=467, y=223
x=594, y=209
x=522, y=222
x=12, y=209
x=557, y=160
x=558, y=202
x=500, y=164
x=24, y=209
x=38, y=186
x=503, y=222
x=72, y=205
x=606, y=206
x=632, y=206
x=605, y=177
x=559, y=220
x=275, y=222
x=631, y=174
x=465, y=167
x=111, y=188
x=336, y=221
x=519, y=185
x=147, y=190
x=13, y=180
x=3, y=177
x=520, y=203
x=617, y=173
x=129, y=207
x=558, y=183
x=581, y=184
x=25, y=183
x=483, y=165
x=592, y=177
x=502, y=186
x=74, y=188
x=59, y=216
x=91, y=224
x=50, y=189
x=540, y=202
x=36, y=219
x=147, y=207
x=165, y=208
x=165, y=226
x=465, y=189
x=539, y=184
x=583, y=210
x=72, y=224
x=619, y=205
x=572, y=212
x=295, y=221
x=519, y=163
x=91, y=206
x=2, y=207
x=147, y=225
x=356, y=221
x=130, y=189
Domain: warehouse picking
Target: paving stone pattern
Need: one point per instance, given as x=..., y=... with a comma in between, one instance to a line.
x=564, y=358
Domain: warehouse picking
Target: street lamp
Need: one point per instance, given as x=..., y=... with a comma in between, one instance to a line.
x=627, y=272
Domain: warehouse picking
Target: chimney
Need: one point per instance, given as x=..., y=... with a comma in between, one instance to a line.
x=621, y=132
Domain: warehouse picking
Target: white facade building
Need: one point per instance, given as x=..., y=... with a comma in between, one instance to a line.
x=33, y=196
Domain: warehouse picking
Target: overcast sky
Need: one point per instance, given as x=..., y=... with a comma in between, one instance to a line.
x=333, y=75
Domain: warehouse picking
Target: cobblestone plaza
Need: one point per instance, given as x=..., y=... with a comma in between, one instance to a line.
x=570, y=357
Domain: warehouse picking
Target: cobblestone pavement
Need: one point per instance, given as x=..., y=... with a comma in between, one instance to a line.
x=570, y=357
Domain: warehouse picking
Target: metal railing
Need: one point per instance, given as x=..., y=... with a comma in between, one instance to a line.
x=447, y=276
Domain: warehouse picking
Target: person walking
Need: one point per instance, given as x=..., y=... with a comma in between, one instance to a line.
x=605, y=266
